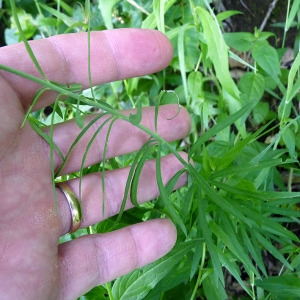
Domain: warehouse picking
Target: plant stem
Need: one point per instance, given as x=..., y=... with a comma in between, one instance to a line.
x=109, y=291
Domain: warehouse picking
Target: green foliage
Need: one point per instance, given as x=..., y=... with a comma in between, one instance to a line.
x=238, y=206
x=140, y=282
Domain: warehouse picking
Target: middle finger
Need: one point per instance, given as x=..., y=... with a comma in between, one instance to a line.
x=123, y=138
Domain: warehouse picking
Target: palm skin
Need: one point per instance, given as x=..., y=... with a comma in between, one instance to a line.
x=32, y=264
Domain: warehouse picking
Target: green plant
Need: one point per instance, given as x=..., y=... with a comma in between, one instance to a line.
x=237, y=207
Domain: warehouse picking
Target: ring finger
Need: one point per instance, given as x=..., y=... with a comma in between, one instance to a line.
x=123, y=137
x=93, y=203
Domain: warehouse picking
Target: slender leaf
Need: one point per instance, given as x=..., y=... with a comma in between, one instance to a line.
x=217, y=52
x=268, y=246
x=282, y=287
x=139, y=283
x=220, y=126
x=61, y=16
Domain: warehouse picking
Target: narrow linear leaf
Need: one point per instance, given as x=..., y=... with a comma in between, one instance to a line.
x=230, y=171
x=130, y=178
x=291, y=77
x=80, y=135
x=61, y=16
x=267, y=225
x=233, y=153
x=202, y=207
x=181, y=57
x=45, y=136
x=217, y=52
x=234, y=269
x=26, y=44
x=292, y=14
x=274, y=198
x=283, y=287
x=114, y=119
x=106, y=7
x=137, y=172
x=84, y=159
x=78, y=116
x=253, y=248
x=218, y=199
x=229, y=239
x=269, y=247
x=34, y=101
x=159, y=12
x=165, y=192
x=150, y=21
x=227, y=14
x=139, y=283
x=220, y=126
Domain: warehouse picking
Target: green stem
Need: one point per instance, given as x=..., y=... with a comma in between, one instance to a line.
x=22, y=35
x=109, y=291
x=199, y=278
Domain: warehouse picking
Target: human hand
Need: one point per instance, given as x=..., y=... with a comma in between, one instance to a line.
x=32, y=264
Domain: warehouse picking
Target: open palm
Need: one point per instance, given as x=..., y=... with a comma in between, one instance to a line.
x=32, y=264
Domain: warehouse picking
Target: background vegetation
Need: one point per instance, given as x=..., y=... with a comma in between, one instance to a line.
x=238, y=218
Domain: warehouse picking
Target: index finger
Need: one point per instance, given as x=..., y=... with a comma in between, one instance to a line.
x=114, y=55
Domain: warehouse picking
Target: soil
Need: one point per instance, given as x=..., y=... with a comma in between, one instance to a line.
x=253, y=14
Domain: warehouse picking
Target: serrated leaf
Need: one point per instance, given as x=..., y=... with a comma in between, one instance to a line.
x=139, y=283
x=241, y=41
x=260, y=112
x=267, y=58
x=252, y=87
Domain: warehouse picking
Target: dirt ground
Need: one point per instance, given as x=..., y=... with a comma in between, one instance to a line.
x=255, y=12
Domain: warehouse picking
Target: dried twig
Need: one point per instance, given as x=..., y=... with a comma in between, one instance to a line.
x=247, y=8
x=269, y=12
